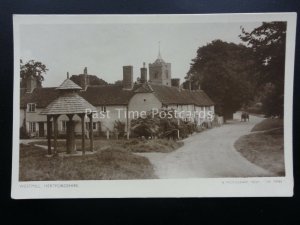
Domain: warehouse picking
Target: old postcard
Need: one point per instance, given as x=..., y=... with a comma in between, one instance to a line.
x=153, y=105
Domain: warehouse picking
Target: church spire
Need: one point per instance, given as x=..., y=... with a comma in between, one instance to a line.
x=159, y=59
x=159, y=55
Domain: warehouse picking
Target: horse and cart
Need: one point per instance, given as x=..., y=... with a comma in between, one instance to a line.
x=245, y=116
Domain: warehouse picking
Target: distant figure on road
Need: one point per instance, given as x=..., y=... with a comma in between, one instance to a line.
x=245, y=116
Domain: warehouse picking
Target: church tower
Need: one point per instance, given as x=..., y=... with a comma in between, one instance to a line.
x=160, y=71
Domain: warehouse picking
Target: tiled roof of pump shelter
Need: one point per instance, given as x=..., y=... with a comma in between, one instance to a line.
x=69, y=103
x=68, y=85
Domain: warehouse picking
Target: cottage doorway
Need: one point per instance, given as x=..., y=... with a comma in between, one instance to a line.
x=41, y=129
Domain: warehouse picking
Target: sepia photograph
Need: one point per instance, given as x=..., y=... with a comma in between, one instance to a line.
x=150, y=100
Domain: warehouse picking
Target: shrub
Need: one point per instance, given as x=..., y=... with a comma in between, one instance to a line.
x=162, y=127
x=119, y=128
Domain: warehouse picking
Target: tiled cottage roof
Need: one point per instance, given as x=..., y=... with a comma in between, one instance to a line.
x=40, y=96
x=115, y=95
x=96, y=95
x=69, y=103
x=107, y=95
x=201, y=98
x=172, y=95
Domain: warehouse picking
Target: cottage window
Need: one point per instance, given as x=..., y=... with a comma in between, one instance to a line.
x=31, y=107
x=32, y=127
x=87, y=125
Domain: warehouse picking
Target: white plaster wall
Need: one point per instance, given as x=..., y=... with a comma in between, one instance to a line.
x=144, y=102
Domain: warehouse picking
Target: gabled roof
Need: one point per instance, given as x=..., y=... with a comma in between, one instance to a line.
x=70, y=103
x=172, y=95
x=144, y=88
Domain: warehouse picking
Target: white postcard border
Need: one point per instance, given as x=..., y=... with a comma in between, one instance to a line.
x=188, y=187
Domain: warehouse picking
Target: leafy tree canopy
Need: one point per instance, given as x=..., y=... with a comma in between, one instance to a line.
x=224, y=71
x=32, y=69
x=268, y=43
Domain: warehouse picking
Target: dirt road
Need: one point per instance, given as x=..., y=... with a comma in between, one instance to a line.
x=209, y=154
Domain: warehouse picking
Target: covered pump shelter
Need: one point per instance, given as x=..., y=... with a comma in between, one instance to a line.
x=68, y=103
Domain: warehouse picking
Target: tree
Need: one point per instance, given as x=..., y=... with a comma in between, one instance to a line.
x=224, y=71
x=119, y=82
x=32, y=69
x=268, y=43
x=119, y=128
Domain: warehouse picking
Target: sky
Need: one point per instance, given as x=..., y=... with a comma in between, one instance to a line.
x=105, y=48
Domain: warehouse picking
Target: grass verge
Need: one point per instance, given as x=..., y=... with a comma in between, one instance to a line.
x=132, y=145
x=109, y=164
x=265, y=149
x=113, y=160
x=268, y=124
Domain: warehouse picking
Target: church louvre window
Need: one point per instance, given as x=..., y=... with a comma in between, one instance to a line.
x=156, y=75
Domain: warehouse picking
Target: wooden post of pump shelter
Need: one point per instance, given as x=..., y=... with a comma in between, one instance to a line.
x=91, y=133
x=82, y=115
x=49, y=133
x=55, y=117
x=70, y=135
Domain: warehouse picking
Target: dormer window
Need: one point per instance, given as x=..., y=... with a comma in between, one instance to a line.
x=103, y=108
x=31, y=107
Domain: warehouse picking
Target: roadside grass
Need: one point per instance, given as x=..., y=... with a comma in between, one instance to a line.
x=109, y=164
x=268, y=124
x=132, y=145
x=158, y=145
x=266, y=148
x=113, y=159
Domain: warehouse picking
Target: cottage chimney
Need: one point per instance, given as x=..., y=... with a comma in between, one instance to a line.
x=31, y=84
x=143, y=74
x=127, y=77
x=175, y=82
x=84, y=79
